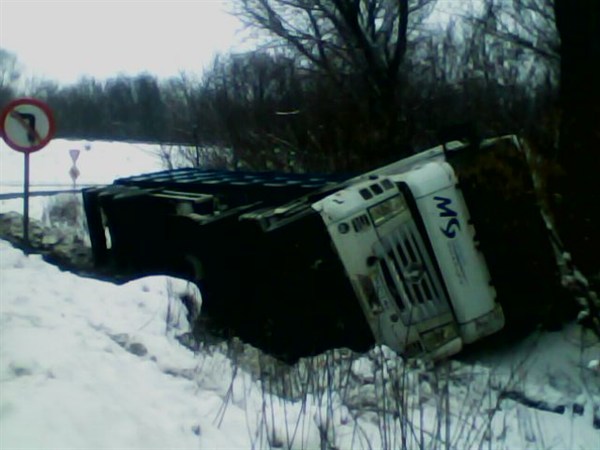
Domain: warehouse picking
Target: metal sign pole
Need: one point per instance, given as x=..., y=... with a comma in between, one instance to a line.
x=26, y=201
x=26, y=125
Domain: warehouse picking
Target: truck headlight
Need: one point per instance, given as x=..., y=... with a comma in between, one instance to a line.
x=387, y=209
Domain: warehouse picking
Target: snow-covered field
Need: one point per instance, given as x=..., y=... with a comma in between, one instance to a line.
x=98, y=163
x=86, y=364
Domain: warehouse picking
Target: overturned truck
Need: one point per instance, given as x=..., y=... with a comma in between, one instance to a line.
x=424, y=255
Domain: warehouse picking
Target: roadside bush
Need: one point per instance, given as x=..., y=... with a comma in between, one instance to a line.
x=65, y=212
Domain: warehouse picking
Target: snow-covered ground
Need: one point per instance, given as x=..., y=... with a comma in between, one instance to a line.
x=98, y=162
x=86, y=364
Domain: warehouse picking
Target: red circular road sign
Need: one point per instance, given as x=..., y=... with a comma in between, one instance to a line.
x=27, y=125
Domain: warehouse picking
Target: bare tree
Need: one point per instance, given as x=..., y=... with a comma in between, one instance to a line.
x=242, y=97
x=358, y=46
x=529, y=24
x=9, y=76
x=181, y=95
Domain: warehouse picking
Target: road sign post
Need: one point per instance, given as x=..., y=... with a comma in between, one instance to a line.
x=74, y=171
x=27, y=126
x=26, y=200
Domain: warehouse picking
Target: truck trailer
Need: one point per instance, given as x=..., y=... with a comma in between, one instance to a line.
x=425, y=255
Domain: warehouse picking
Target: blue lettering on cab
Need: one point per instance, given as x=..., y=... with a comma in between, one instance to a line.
x=452, y=225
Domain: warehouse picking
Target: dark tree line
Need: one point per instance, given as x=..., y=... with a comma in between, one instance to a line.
x=121, y=108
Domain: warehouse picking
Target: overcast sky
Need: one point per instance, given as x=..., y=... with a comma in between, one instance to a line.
x=65, y=39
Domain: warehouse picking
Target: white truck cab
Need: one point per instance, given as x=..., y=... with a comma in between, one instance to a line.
x=404, y=237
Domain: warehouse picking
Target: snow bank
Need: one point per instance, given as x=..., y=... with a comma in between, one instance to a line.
x=86, y=364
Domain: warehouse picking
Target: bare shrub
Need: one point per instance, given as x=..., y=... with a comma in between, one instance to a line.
x=65, y=211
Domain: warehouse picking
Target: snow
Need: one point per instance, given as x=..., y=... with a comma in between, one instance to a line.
x=86, y=364
x=70, y=378
x=99, y=162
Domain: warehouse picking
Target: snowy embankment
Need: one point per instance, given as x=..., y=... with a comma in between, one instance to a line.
x=86, y=364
